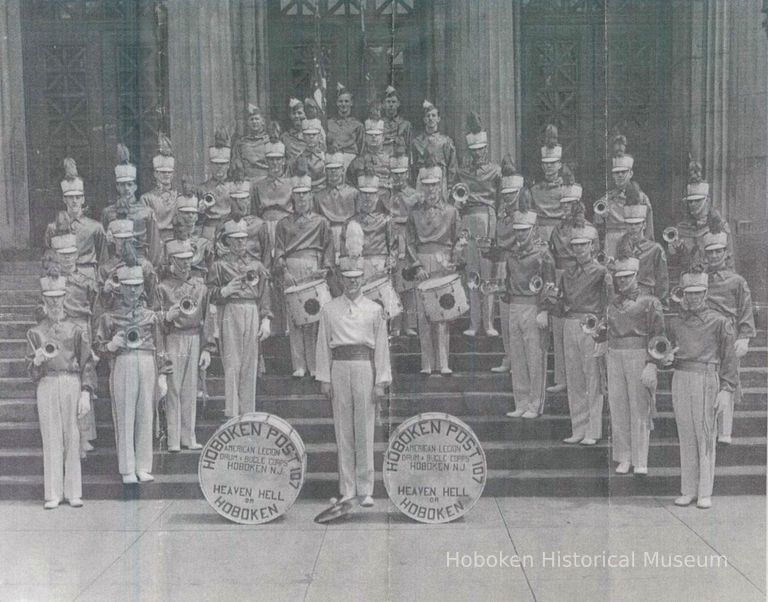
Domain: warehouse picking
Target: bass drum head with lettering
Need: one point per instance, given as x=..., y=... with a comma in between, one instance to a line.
x=434, y=468
x=253, y=467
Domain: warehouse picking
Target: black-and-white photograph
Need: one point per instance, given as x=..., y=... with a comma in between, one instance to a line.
x=383, y=300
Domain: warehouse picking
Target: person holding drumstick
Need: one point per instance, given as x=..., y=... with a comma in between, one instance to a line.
x=353, y=368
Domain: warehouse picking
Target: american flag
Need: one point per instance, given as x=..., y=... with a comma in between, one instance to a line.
x=319, y=60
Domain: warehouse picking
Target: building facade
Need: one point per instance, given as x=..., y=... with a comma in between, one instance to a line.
x=675, y=76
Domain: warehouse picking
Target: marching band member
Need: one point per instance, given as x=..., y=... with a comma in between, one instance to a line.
x=583, y=286
x=131, y=338
x=400, y=201
x=353, y=368
x=431, y=143
x=127, y=253
x=653, y=275
x=632, y=319
x=312, y=156
x=60, y=361
x=240, y=283
x=704, y=380
x=162, y=198
x=514, y=197
x=303, y=249
x=729, y=295
x=373, y=154
x=345, y=132
x=292, y=138
x=432, y=232
x=610, y=222
x=187, y=215
x=188, y=328
x=314, y=112
x=217, y=184
x=336, y=202
x=129, y=207
x=378, y=246
x=396, y=127
x=90, y=235
x=478, y=216
x=528, y=261
x=81, y=293
x=250, y=148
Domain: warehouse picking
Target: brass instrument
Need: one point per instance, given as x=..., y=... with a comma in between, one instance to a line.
x=591, y=324
x=604, y=259
x=251, y=277
x=659, y=348
x=50, y=349
x=600, y=207
x=492, y=286
x=115, y=279
x=208, y=200
x=474, y=281
x=187, y=306
x=460, y=193
x=670, y=234
x=536, y=284
x=133, y=338
x=409, y=273
x=676, y=294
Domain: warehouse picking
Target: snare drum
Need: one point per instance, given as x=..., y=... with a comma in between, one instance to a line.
x=444, y=298
x=304, y=301
x=253, y=467
x=382, y=292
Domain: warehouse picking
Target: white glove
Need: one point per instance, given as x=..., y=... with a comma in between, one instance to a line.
x=421, y=274
x=542, y=319
x=722, y=400
x=741, y=346
x=84, y=404
x=378, y=391
x=162, y=385
x=648, y=377
x=117, y=342
x=39, y=358
x=174, y=311
x=327, y=390
x=230, y=288
x=205, y=359
x=264, y=329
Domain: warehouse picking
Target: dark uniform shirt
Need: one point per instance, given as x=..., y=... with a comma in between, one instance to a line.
x=316, y=163
x=431, y=228
x=257, y=245
x=484, y=183
x=378, y=236
x=394, y=129
x=347, y=133
x=171, y=290
x=272, y=198
x=300, y=233
x=110, y=301
x=613, y=219
x=145, y=228
x=635, y=315
x=729, y=294
x=251, y=151
x=74, y=351
x=380, y=162
x=163, y=205
x=583, y=288
x=523, y=263
x=90, y=236
x=294, y=144
x=443, y=151
x=221, y=191
x=691, y=235
x=560, y=243
x=230, y=267
x=336, y=204
x=653, y=274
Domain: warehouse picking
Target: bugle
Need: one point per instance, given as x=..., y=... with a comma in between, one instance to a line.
x=473, y=281
x=132, y=338
x=600, y=207
x=187, y=306
x=536, y=284
x=208, y=200
x=460, y=193
x=50, y=349
x=590, y=324
x=659, y=347
x=251, y=277
x=603, y=258
x=676, y=294
x=670, y=234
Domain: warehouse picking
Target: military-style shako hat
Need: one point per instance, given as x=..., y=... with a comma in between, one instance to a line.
x=220, y=152
x=163, y=160
x=694, y=282
x=427, y=106
x=374, y=126
x=53, y=287
x=551, y=151
x=124, y=170
x=715, y=241
x=368, y=183
x=235, y=229
x=583, y=235
x=391, y=92
x=621, y=161
x=181, y=249
x=187, y=204
x=65, y=243
x=430, y=175
x=334, y=160
x=252, y=109
x=240, y=190
x=121, y=228
x=301, y=184
x=311, y=126
x=511, y=181
x=477, y=137
x=523, y=220
x=130, y=275
x=625, y=266
x=72, y=184
x=274, y=149
x=398, y=163
x=570, y=193
x=635, y=214
x=341, y=89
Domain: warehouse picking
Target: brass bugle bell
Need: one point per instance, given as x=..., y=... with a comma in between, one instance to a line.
x=409, y=274
x=670, y=234
x=133, y=338
x=603, y=258
x=492, y=286
x=187, y=306
x=460, y=192
x=590, y=324
x=659, y=347
x=536, y=284
x=473, y=281
x=208, y=200
x=600, y=207
x=676, y=294
x=251, y=277
x=115, y=278
x=50, y=349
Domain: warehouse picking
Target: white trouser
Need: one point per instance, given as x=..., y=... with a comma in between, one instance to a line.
x=57, y=399
x=240, y=356
x=433, y=336
x=585, y=399
x=183, y=350
x=354, y=414
x=480, y=307
x=303, y=339
x=528, y=357
x=725, y=418
x=557, y=343
x=631, y=406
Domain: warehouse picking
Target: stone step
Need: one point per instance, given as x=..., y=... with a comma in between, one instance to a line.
x=319, y=429
x=25, y=262
x=20, y=281
x=322, y=457
x=584, y=482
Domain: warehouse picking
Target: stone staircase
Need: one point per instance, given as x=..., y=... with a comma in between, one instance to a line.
x=525, y=458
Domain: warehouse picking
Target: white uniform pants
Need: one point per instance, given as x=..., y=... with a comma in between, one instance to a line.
x=558, y=344
x=585, y=399
x=240, y=356
x=354, y=414
x=303, y=339
x=725, y=418
x=183, y=349
x=528, y=357
x=433, y=336
x=480, y=307
x=631, y=405
x=133, y=382
x=57, y=399
x=693, y=397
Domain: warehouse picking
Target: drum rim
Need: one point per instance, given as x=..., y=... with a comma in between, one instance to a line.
x=374, y=284
x=296, y=288
x=437, y=282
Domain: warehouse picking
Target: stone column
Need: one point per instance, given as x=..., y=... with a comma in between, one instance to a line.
x=249, y=33
x=14, y=198
x=201, y=87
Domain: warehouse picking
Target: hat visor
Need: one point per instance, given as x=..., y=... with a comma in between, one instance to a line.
x=550, y=159
x=120, y=179
x=237, y=235
x=694, y=288
x=352, y=273
x=714, y=246
x=477, y=145
x=522, y=226
x=333, y=165
x=509, y=190
x=187, y=210
x=219, y=160
x=310, y=131
x=183, y=255
x=165, y=169
x=122, y=235
x=132, y=281
x=580, y=241
x=634, y=220
x=398, y=169
x=569, y=199
x=239, y=195
x=67, y=250
x=374, y=131
x=695, y=197
x=302, y=189
x=74, y=193
x=618, y=169
x=620, y=273
x=55, y=293
x=274, y=155
x=368, y=189
x=430, y=180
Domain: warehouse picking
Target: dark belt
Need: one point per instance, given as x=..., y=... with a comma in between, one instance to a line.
x=694, y=366
x=350, y=353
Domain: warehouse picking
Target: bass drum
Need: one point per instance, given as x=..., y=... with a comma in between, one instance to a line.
x=382, y=292
x=305, y=301
x=434, y=468
x=252, y=469
x=444, y=298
